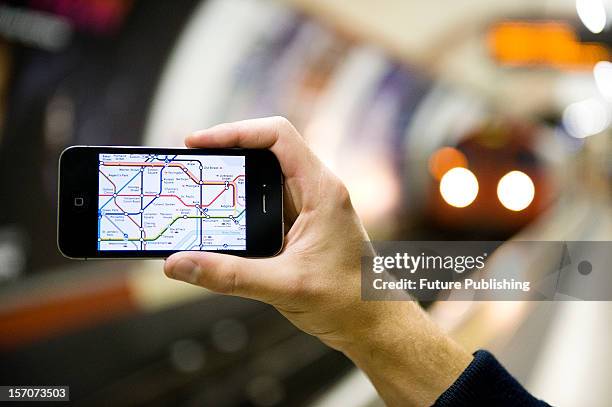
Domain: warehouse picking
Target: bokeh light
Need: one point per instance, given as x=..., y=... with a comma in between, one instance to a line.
x=592, y=13
x=444, y=159
x=515, y=190
x=459, y=187
x=586, y=118
x=602, y=72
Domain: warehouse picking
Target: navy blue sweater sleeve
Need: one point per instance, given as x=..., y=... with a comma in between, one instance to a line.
x=485, y=382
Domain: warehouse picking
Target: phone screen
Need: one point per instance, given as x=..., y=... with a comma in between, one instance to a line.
x=171, y=202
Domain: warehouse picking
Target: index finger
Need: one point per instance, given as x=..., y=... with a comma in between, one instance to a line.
x=274, y=133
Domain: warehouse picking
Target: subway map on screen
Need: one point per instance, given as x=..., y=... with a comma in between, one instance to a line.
x=171, y=202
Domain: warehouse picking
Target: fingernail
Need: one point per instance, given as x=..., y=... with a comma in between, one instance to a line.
x=185, y=270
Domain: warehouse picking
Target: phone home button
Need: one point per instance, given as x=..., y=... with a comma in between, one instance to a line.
x=79, y=201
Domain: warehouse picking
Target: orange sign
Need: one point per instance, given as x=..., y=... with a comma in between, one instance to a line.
x=543, y=44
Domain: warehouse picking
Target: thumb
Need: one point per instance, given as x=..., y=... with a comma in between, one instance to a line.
x=225, y=274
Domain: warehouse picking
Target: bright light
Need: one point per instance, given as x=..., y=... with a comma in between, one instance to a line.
x=459, y=187
x=586, y=118
x=592, y=13
x=515, y=190
x=603, y=78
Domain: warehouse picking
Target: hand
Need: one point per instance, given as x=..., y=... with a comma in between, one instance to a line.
x=315, y=280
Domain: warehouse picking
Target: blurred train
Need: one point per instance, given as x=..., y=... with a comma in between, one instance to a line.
x=508, y=184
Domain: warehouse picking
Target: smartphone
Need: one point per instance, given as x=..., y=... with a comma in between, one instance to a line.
x=140, y=202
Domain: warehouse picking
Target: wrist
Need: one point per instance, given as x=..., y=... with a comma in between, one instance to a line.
x=409, y=359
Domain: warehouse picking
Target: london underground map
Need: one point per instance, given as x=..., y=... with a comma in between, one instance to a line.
x=171, y=202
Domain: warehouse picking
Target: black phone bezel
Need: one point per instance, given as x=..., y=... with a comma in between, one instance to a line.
x=78, y=178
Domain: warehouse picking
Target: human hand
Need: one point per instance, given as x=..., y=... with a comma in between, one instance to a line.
x=315, y=280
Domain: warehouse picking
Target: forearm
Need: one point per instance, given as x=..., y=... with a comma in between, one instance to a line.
x=409, y=360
